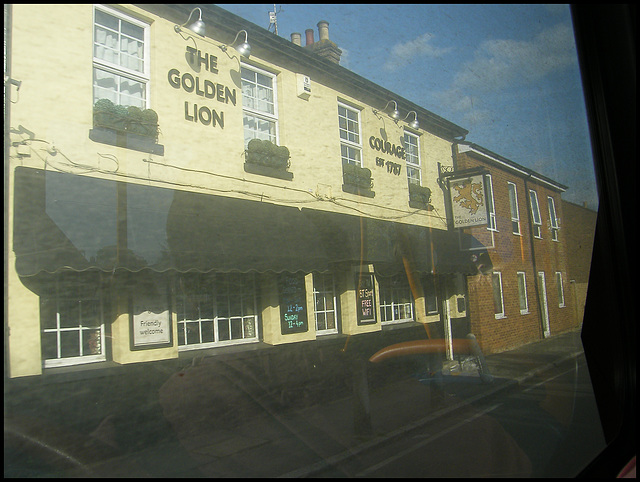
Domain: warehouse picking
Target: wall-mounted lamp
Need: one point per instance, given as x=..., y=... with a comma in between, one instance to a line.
x=395, y=115
x=244, y=48
x=197, y=26
x=415, y=123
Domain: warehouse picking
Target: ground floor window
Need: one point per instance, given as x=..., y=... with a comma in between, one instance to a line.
x=430, y=294
x=216, y=309
x=72, y=320
x=498, y=301
x=522, y=293
x=396, y=302
x=324, y=301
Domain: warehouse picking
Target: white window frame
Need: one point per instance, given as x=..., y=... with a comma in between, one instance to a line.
x=500, y=314
x=492, y=226
x=553, y=219
x=514, y=209
x=536, y=218
x=411, y=165
x=347, y=143
x=386, y=290
x=216, y=320
x=522, y=292
x=113, y=68
x=560, y=289
x=259, y=114
x=60, y=361
x=324, y=289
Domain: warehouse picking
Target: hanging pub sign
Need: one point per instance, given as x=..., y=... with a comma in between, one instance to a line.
x=150, y=322
x=468, y=201
x=293, y=304
x=365, y=299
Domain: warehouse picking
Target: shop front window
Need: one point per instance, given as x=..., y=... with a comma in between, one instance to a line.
x=324, y=301
x=396, y=303
x=216, y=310
x=72, y=323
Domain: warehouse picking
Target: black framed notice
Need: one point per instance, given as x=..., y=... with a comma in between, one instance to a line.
x=365, y=299
x=293, y=304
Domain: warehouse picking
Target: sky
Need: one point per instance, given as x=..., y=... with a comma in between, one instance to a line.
x=508, y=74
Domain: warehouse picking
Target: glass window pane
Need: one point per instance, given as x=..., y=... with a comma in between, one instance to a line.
x=69, y=343
x=50, y=346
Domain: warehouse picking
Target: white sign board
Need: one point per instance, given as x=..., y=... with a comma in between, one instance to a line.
x=468, y=201
x=151, y=325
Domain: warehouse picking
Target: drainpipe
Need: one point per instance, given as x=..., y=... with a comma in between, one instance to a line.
x=533, y=255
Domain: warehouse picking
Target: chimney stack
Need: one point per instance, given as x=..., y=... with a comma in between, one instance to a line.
x=296, y=38
x=323, y=30
x=309, y=33
x=323, y=47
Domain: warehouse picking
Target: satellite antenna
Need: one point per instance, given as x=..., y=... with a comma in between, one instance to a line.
x=273, y=19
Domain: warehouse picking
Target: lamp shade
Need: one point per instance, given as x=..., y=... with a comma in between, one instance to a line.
x=197, y=27
x=244, y=49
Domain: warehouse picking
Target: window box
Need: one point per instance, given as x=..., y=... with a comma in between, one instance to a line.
x=129, y=127
x=357, y=180
x=265, y=158
x=419, y=197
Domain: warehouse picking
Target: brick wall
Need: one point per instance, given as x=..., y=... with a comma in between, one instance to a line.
x=512, y=253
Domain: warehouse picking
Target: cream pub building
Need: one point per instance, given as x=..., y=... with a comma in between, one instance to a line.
x=188, y=182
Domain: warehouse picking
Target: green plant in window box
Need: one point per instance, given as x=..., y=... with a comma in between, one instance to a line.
x=419, y=194
x=125, y=118
x=142, y=122
x=357, y=176
x=266, y=153
x=104, y=114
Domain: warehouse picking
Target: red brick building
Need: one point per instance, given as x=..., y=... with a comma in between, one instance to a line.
x=524, y=294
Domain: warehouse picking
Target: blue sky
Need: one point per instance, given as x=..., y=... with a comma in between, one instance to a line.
x=507, y=73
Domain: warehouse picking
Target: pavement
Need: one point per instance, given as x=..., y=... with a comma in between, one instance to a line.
x=304, y=442
x=217, y=424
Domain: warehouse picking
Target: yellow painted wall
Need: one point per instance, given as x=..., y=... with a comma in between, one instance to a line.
x=52, y=114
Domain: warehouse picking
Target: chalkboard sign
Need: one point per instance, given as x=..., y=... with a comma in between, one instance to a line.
x=293, y=304
x=365, y=299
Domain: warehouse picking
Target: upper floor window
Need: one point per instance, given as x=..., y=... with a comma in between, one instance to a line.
x=553, y=218
x=535, y=214
x=259, y=105
x=490, y=205
x=513, y=203
x=350, y=139
x=120, y=58
x=412, y=151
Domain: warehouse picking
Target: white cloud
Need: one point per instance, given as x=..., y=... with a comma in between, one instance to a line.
x=501, y=65
x=404, y=53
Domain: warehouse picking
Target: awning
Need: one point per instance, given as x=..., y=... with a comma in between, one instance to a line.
x=72, y=222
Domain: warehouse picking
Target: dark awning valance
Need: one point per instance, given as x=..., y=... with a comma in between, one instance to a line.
x=65, y=221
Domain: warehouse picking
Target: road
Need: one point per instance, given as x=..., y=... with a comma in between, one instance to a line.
x=547, y=428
